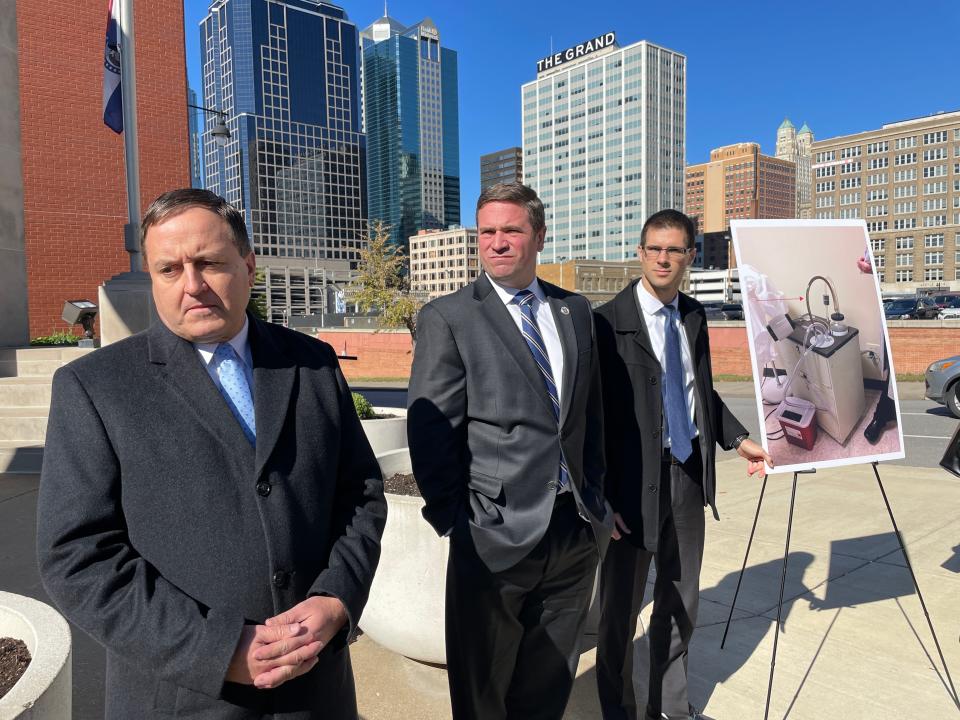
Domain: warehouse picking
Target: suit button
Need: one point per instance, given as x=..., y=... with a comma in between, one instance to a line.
x=281, y=579
x=264, y=488
x=552, y=485
x=653, y=380
x=652, y=488
x=656, y=432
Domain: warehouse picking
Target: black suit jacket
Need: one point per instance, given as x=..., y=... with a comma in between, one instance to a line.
x=161, y=531
x=633, y=408
x=483, y=438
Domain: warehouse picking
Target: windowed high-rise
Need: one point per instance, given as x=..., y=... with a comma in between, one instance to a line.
x=412, y=126
x=196, y=158
x=285, y=73
x=604, y=144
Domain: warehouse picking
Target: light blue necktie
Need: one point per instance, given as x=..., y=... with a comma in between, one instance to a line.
x=531, y=333
x=235, y=389
x=674, y=397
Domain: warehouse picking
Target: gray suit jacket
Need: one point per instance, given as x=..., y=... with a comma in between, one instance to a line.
x=161, y=531
x=483, y=438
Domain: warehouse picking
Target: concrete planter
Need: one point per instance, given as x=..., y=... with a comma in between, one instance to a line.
x=44, y=691
x=405, y=610
x=386, y=434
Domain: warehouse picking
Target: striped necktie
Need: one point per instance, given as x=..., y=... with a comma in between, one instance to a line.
x=235, y=389
x=538, y=348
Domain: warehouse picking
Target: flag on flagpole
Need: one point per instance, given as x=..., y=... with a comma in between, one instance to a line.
x=112, y=98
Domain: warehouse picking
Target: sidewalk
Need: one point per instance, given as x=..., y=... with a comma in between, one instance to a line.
x=855, y=641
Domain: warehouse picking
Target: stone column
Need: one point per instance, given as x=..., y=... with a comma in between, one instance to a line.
x=14, y=328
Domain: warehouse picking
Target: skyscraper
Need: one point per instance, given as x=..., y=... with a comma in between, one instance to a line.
x=794, y=145
x=196, y=157
x=501, y=166
x=285, y=73
x=603, y=144
x=412, y=126
x=738, y=182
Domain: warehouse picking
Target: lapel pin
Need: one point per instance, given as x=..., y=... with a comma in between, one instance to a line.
x=565, y=310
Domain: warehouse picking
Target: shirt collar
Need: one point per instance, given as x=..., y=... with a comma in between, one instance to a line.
x=239, y=342
x=507, y=293
x=650, y=303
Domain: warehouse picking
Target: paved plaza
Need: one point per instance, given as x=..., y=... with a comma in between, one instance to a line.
x=855, y=642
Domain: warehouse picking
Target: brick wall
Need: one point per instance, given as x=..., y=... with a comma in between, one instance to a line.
x=384, y=354
x=388, y=354
x=914, y=347
x=73, y=171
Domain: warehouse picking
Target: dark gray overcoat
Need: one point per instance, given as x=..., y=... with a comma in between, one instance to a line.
x=161, y=531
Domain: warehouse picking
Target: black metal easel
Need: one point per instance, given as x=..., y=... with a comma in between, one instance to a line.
x=783, y=581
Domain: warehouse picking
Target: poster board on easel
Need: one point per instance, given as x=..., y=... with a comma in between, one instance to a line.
x=821, y=374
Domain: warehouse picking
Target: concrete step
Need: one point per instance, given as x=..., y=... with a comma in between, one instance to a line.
x=25, y=425
x=20, y=457
x=25, y=392
x=37, y=361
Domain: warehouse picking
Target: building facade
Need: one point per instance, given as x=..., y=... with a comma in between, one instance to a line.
x=597, y=280
x=738, y=182
x=286, y=73
x=64, y=202
x=503, y=166
x=411, y=119
x=196, y=154
x=604, y=131
x=443, y=261
x=904, y=181
x=795, y=145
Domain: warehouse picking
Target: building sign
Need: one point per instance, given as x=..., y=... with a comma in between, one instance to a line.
x=577, y=51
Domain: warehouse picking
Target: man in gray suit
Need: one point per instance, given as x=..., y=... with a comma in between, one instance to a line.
x=506, y=435
x=210, y=509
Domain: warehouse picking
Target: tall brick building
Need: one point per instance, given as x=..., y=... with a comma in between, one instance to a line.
x=74, y=197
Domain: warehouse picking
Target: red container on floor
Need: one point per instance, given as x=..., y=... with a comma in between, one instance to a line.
x=797, y=418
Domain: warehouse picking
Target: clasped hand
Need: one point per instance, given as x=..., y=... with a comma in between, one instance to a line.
x=286, y=645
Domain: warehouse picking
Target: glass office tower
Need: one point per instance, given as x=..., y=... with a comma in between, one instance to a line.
x=412, y=127
x=285, y=73
x=604, y=145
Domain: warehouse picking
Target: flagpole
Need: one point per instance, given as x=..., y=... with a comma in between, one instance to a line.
x=128, y=88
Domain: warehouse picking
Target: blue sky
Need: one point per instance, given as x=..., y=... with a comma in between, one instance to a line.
x=842, y=67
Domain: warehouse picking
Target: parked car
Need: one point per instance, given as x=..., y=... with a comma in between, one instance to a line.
x=951, y=309
x=732, y=311
x=713, y=310
x=942, y=381
x=921, y=308
x=943, y=301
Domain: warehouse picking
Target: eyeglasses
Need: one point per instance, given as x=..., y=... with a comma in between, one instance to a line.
x=652, y=252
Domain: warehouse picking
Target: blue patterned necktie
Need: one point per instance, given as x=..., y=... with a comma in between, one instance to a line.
x=235, y=389
x=674, y=395
x=531, y=333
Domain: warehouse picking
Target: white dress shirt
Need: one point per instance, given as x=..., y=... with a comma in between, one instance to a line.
x=241, y=346
x=655, y=321
x=544, y=317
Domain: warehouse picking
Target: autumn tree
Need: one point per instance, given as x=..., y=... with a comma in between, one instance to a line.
x=383, y=282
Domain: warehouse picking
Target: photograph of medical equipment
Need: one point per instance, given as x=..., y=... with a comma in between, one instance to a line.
x=816, y=335
x=826, y=370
